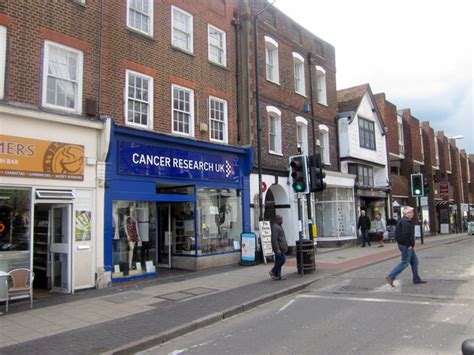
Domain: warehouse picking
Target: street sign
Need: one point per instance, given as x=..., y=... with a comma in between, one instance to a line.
x=443, y=189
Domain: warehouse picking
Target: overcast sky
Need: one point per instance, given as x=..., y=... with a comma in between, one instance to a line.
x=418, y=52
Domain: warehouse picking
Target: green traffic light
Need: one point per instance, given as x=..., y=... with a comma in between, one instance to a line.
x=417, y=192
x=298, y=187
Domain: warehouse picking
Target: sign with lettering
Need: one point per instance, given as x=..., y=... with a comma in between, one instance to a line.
x=149, y=160
x=443, y=189
x=27, y=157
x=266, y=239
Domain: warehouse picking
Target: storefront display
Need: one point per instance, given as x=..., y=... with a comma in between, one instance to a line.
x=335, y=215
x=15, y=217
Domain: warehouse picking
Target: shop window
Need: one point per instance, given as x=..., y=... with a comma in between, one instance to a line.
x=219, y=220
x=182, y=29
x=15, y=216
x=217, y=45
x=62, y=77
x=133, y=238
x=140, y=16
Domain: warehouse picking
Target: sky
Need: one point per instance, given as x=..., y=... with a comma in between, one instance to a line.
x=418, y=52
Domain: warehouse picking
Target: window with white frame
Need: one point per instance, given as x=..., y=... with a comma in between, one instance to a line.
x=62, y=77
x=218, y=119
x=321, y=86
x=3, y=58
x=401, y=142
x=217, y=45
x=324, y=144
x=139, y=99
x=271, y=58
x=450, y=165
x=366, y=133
x=182, y=29
x=298, y=64
x=274, y=130
x=183, y=111
x=140, y=16
x=302, y=134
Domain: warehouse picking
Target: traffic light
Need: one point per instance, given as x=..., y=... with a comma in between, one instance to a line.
x=299, y=173
x=316, y=173
x=426, y=186
x=417, y=185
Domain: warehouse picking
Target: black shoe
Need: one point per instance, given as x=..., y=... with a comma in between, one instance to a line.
x=272, y=275
x=420, y=281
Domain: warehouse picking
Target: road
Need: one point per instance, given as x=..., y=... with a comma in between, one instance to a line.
x=356, y=313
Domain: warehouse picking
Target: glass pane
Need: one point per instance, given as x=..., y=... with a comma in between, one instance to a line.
x=60, y=270
x=219, y=223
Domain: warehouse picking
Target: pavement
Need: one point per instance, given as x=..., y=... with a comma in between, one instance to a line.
x=128, y=318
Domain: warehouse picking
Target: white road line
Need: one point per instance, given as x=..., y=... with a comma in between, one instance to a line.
x=285, y=306
x=381, y=300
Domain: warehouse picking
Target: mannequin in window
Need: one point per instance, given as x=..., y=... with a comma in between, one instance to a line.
x=131, y=230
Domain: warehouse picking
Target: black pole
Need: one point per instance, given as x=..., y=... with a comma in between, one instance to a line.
x=300, y=236
x=420, y=219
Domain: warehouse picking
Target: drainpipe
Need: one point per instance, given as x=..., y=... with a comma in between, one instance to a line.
x=101, y=38
x=237, y=26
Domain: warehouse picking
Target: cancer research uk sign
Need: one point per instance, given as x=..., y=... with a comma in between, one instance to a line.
x=149, y=160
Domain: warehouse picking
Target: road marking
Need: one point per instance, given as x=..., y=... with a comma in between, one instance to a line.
x=285, y=306
x=381, y=300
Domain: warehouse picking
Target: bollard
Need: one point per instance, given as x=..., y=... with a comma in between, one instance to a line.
x=468, y=347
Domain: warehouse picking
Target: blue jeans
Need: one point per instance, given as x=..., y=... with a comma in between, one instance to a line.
x=279, y=261
x=408, y=257
x=365, y=236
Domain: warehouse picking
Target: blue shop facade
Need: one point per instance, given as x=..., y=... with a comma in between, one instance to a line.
x=172, y=202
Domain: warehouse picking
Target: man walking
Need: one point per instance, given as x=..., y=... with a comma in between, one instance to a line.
x=364, y=225
x=405, y=237
x=279, y=246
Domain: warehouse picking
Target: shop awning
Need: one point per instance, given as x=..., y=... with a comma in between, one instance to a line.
x=442, y=203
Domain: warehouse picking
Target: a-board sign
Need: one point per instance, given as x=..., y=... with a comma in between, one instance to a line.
x=266, y=239
x=247, y=247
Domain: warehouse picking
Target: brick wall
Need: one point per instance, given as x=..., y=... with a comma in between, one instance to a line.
x=389, y=114
x=293, y=38
x=29, y=25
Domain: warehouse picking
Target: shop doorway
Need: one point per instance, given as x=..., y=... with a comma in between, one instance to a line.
x=52, y=248
x=175, y=231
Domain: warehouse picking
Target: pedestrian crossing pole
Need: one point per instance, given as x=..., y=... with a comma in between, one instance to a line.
x=300, y=233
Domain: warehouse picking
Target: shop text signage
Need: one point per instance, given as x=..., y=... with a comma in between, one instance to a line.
x=140, y=159
x=27, y=157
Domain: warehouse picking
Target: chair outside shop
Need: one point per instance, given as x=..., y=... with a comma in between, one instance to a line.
x=21, y=285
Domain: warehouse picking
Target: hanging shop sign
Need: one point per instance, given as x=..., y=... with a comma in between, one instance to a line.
x=27, y=157
x=149, y=160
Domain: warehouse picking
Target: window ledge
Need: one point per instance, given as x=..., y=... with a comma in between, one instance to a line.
x=275, y=153
x=220, y=66
x=300, y=94
x=140, y=33
x=322, y=104
x=177, y=49
x=273, y=82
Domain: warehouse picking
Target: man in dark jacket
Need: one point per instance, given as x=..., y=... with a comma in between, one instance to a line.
x=279, y=246
x=405, y=237
x=364, y=225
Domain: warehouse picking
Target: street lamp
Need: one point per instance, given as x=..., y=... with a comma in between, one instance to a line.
x=257, y=108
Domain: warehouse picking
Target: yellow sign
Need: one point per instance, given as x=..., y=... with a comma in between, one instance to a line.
x=27, y=157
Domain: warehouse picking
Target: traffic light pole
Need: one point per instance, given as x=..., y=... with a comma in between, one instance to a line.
x=420, y=219
x=300, y=235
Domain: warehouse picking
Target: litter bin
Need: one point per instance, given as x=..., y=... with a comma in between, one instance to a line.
x=309, y=264
x=470, y=228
